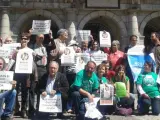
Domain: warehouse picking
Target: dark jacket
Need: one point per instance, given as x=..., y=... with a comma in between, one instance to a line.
x=61, y=84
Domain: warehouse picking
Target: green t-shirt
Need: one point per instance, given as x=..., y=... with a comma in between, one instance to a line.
x=86, y=83
x=103, y=79
x=149, y=84
x=120, y=87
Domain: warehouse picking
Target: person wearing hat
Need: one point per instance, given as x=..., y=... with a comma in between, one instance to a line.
x=116, y=56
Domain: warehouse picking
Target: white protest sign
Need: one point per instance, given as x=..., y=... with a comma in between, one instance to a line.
x=83, y=35
x=106, y=94
x=98, y=58
x=41, y=26
x=105, y=39
x=136, y=50
x=12, y=46
x=68, y=57
x=52, y=104
x=5, y=80
x=5, y=53
x=24, y=61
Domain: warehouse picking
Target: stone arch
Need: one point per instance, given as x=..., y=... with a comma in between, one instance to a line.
x=16, y=28
x=108, y=14
x=146, y=20
x=112, y=16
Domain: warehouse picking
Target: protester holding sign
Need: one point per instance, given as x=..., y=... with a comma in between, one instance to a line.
x=9, y=96
x=149, y=92
x=40, y=55
x=84, y=86
x=59, y=45
x=54, y=82
x=122, y=88
x=26, y=75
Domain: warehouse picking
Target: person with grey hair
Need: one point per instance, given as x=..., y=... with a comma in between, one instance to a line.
x=54, y=82
x=58, y=46
x=116, y=56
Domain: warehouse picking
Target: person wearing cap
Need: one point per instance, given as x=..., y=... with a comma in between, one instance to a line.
x=58, y=46
x=116, y=56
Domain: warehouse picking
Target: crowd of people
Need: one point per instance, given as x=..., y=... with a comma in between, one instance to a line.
x=79, y=84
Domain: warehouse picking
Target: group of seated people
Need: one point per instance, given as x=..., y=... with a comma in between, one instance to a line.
x=76, y=88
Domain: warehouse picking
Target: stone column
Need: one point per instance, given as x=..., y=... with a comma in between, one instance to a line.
x=5, y=23
x=71, y=23
x=133, y=26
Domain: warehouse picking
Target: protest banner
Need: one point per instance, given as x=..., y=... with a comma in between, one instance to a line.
x=82, y=35
x=5, y=53
x=24, y=61
x=41, y=26
x=106, y=94
x=6, y=77
x=105, y=39
x=137, y=58
x=52, y=104
x=98, y=58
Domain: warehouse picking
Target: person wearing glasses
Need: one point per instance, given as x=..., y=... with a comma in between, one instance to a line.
x=84, y=86
x=27, y=82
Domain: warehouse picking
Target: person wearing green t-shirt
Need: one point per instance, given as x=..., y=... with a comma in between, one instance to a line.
x=122, y=88
x=148, y=89
x=84, y=86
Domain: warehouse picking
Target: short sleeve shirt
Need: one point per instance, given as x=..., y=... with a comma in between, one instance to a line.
x=116, y=58
x=148, y=83
x=86, y=83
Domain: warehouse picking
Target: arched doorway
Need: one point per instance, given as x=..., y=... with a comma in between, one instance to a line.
x=105, y=20
x=102, y=23
x=28, y=25
x=151, y=26
x=24, y=22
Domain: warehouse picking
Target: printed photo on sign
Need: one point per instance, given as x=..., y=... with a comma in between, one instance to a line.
x=82, y=35
x=106, y=94
x=68, y=57
x=52, y=104
x=6, y=77
x=105, y=39
x=24, y=62
x=41, y=26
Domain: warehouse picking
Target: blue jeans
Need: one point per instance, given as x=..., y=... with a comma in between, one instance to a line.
x=144, y=105
x=7, y=97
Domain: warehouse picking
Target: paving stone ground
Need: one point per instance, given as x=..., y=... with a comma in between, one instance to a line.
x=112, y=117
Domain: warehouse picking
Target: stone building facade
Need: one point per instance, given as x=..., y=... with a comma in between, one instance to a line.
x=121, y=18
